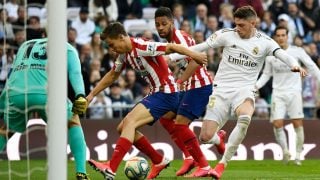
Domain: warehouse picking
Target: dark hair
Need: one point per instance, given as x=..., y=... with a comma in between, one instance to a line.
x=163, y=11
x=113, y=31
x=245, y=12
x=279, y=28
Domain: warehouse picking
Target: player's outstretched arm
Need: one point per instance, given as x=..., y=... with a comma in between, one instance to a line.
x=286, y=58
x=200, y=58
x=105, y=82
x=199, y=47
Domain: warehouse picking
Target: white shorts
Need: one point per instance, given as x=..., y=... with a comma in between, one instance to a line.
x=224, y=101
x=286, y=102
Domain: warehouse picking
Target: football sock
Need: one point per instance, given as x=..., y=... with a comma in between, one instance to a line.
x=122, y=147
x=299, y=140
x=189, y=139
x=236, y=137
x=169, y=124
x=281, y=138
x=78, y=147
x=144, y=146
x=3, y=142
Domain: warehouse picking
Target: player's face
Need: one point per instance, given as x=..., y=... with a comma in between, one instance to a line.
x=281, y=37
x=164, y=26
x=244, y=27
x=117, y=45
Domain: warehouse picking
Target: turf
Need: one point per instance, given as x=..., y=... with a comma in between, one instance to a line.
x=246, y=170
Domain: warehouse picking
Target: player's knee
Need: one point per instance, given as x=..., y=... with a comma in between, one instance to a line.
x=127, y=122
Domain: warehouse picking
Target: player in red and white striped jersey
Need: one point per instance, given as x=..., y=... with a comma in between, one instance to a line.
x=146, y=59
x=198, y=87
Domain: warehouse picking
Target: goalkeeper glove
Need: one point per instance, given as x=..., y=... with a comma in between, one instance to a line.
x=80, y=105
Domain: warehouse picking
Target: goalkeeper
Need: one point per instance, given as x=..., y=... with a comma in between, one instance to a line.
x=26, y=92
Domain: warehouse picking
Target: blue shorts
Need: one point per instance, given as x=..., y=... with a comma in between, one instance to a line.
x=160, y=103
x=194, y=102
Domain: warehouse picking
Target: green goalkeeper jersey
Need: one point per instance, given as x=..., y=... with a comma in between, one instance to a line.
x=29, y=69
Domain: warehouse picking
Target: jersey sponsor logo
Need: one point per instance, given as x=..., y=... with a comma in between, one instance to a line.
x=20, y=67
x=242, y=60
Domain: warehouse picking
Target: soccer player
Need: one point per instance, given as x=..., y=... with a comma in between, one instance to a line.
x=26, y=92
x=198, y=86
x=146, y=59
x=244, y=51
x=287, y=92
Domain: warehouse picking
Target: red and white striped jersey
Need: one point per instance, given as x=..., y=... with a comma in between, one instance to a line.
x=147, y=60
x=201, y=76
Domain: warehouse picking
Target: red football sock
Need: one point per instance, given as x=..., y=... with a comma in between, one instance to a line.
x=144, y=146
x=190, y=141
x=122, y=147
x=169, y=125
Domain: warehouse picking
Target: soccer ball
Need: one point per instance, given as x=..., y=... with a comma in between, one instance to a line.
x=136, y=168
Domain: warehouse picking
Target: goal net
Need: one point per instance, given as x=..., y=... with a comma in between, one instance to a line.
x=20, y=159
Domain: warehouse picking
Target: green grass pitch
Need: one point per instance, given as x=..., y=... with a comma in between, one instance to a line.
x=236, y=170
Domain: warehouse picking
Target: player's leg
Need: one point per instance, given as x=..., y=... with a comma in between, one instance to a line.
x=295, y=112
x=244, y=113
x=142, y=144
x=243, y=106
x=77, y=143
x=281, y=138
x=192, y=107
x=14, y=118
x=298, y=128
x=4, y=137
x=214, y=119
x=168, y=122
x=210, y=135
x=137, y=117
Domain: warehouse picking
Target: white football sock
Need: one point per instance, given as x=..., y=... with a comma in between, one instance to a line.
x=281, y=138
x=299, y=140
x=236, y=137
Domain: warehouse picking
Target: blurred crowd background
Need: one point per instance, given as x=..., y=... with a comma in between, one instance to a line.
x=21, y=20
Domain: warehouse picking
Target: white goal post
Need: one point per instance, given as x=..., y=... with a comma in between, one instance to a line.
x=57, y=89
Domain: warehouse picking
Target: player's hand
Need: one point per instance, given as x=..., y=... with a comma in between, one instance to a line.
x=200, y=58
x=302, y=71
x=80, y=105
x=181, y=86
x=166, y=58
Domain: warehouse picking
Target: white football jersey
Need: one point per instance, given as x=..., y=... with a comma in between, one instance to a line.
x=283, y=77
x=242, y=59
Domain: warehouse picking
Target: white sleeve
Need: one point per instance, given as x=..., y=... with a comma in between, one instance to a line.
x=308, y=62
x=199, y=47
x=286, y=58
x=267, y=73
